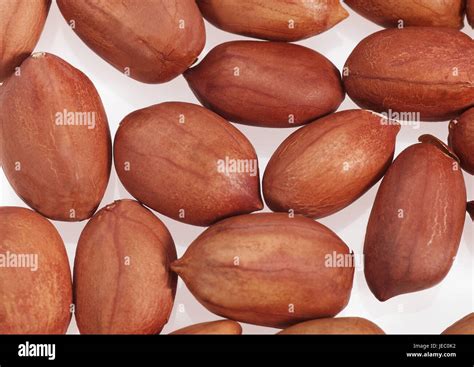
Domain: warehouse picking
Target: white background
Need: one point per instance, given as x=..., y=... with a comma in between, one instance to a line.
x=429, y=311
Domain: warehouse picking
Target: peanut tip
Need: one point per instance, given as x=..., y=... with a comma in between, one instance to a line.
x=38, y=55
x=430, y=139
x=111, y=206
x=259, y=204
x=176, y=266
x=453, y=124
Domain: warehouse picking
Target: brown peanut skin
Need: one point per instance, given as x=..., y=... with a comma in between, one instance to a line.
x=334, y=326
x=328, y=164
x=21, y=24
x=280, y=84
x=278, y=20
x=221, y=327
x=267, y=269
x=426, y=13
x=142, y=37
x=470, y=12
x=461, y=139
x=170, y=177
x=61, y=171
x=33, y=302
x=415, y=69
x=414, y=249
x=464, y=326
x=115, y=297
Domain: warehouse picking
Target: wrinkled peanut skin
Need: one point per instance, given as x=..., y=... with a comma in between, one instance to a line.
x=167, y=156
x=334, y=326
x=268, y=269
x=416, y=222
x=33, y=302
x=276, y=20
x=463, y=326
x=461, y=139
x=328, y=164
x=408, y=13
x=60, y=170
x=422, y=70
x=280, y=84
x=122, y=280
x=21, y=24
x=221, y=327
x=152, y=41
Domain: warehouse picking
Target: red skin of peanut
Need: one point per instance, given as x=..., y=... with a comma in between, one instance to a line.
x=334, y=326
x=272, y=20
x=416, y=222
x=60, y=170
x=280, y=84
x=184, y=178
x=122, y=280
x=463, y=326
x=426, y=13
x=423, y=70
x=153, y=41
x=21, y=24
x=33, y=302
x=470, y=12
x=267, y=269
x=221, y=327
x=461, y=139
x=328, y=164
